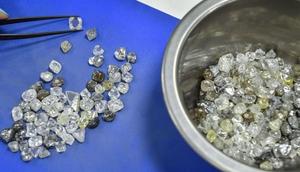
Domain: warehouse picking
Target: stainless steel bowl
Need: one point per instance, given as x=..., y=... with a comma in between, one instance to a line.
x=213, y=28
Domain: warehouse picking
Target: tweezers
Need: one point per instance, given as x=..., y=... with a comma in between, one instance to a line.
x=33, y=35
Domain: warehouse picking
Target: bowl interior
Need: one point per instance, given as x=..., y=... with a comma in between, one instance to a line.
x=238, y=27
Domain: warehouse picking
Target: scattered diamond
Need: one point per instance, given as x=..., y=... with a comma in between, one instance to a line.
x=96, y=61
x=17, y=113
x=75, y=23
x=115, y=105
x=120, y=54
x=131, y=57
x=55, y=66
x=91, y=34
x=46, y=76
x=65, y=46
x=123, y=87
x=98, y=50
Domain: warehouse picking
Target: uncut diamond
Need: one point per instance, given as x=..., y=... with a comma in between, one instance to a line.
x=127, y=77
x=75, y=23
x=98, y=50
x=120, y=54
x=35, y=105
x=73, y=100
x=60, y=147
x=115, y=105
x=99, y=89
x=113, y=69
x=225, y=63
x=101, y=106
x=43, y=130
x=115, y=77
x=13, y=146
x=86, y=104
x=91, y=34
x=63, y=119
x=114, y=93
x=131, y=57
x=46, y=76
x=42, y=118
x=96, y=61
x=72, y=127
x=126, y=67
x=65, y=46
x=85, y=93
x=17, y=113
x=29, y=95
x=29, y=116
x=35, y=141
x=68, y=138
x=79, y=135
x=96, y=97
x=123, y=87
x=56, y=91
x=55, y=66
x=43, y=153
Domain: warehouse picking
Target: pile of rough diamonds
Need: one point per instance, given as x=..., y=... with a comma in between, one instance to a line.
x=249, y=107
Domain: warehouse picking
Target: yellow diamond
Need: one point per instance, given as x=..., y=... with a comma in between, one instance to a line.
x=211, y=136
x=263, y=103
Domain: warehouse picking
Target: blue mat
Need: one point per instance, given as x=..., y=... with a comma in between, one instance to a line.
x=142, y=138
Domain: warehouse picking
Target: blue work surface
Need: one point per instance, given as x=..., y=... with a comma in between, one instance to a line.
x=142, y=138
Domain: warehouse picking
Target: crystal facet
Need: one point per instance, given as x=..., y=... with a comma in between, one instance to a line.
x=65, y=46
x=91, y=34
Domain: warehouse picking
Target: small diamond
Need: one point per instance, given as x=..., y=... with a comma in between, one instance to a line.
x=7, y=135
x=107, y=84
x=127, y=77
x=226, y=63
x=98, y=76
x=123, y=87
x=120, y=54
x=35, y=105
x=73, y=100
x=17, y=113
x=114, y=93
x=41, y=119
x=96, y=61
x=131, y=57
x=75, y=23
x=55, y=66
x=96, y=97
x=57, y=82
x=101, y=106
x=91, y=34
x=99, y=89
x=222, y=103
x=207, y=85
x=68, y=138
x=56, y=91
x=65, y=46
x=43, y=130
x=43, y=153
x=61, y=147
x=29, y=95
x=98, y=50
x=79, y=135
x=29, y=116
x=112, y=69
x=115, y=105
x=90, y=85
x=46, y=76
x=13, y=146
x=63, y=119
x=108, y=116
x=85, y=93
x=35, y=141
x=115, y=77
x=239, y=109
x=86, y=104
x=72, y=126
x=126, y=67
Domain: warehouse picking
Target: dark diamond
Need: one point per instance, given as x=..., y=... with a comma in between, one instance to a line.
x=57, y=82
x=37, y=86
x=20, y=135
x=18, y=125
x=98, y=76
x=7, y=135
x=93, y=123
x=108, y=116
x=42, y=94
x=91, y=85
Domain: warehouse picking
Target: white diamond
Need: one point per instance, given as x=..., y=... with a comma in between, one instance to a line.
x=79, y=135
x=115, y=77
x=29, y=95
x=86, y=104
x=239, y=109
x=115, y=105
x=61, y=147
x=72, y=126
x=65, y=46
x=13, y=146
x=56, y=91
x=75, y=23
x=35, y=105
x=73, y=100
x=127, y=77
x=99, y=89
x=101, y=106
x=35, y=141
x=271, y=54
x=225, y=63
x=120, y=54
x=85, y=93
x=63, y=119
x=29, y=116
x=43, y=130
x=96, y=96
x=91, y=34
x=98, y=50
x=241, y=58
x=55, y=66
x=46, y=76
x=41, y=119
x=114, y=93
x=68, y=138
x=96, y=61
x=43, y=152
x=222, y=102
x=17, y=113
x=126, y=67
x=112, y=69
x=131, y=57
x=123, y=87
